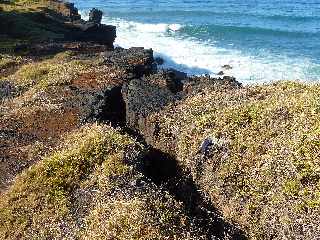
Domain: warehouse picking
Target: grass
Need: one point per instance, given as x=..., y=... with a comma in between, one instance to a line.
x=60, y=69
x=86, y=190
x=36, y=95
x=264, y=170
x=7, y=61
x=41, y=195
x=25, y=22
x=49, y=73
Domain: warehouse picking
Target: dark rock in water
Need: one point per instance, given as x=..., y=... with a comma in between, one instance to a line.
x=95, y=16
x=226, y=67
x=159, y=60
x=220, y=73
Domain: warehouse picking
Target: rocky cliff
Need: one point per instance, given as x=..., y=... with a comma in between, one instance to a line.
x=97, y=143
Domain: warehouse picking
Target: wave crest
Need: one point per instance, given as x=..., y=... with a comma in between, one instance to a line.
x=197, y=57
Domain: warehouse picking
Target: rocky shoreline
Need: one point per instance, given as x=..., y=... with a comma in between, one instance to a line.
x=97, y=143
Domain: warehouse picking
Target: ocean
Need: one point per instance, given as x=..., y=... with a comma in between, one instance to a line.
x=262, y=40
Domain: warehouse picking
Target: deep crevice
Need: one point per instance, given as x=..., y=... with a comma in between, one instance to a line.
x=113, y=108
x=164, y=171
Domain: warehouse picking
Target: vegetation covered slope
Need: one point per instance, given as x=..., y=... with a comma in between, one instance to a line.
x=34, y=97
x=25, y=22
x=91, y=189
x=254, y=151
x=28, y=21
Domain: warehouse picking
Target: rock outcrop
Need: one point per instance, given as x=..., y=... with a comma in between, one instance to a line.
x=202, y=153
x=51, y=21
x=95, y=16
x=93, y=32
x=66, y=10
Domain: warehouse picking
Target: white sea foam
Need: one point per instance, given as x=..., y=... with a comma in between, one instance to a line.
x=197, y=57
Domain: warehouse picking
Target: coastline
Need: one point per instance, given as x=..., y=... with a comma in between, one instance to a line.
x=99, y=142
x=199, y=50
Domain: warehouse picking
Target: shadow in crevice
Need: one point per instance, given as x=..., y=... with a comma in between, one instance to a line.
x=113, y=108
x=164, y=171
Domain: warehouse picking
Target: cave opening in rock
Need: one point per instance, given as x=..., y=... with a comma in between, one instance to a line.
x=160, y=167
x=114, y=108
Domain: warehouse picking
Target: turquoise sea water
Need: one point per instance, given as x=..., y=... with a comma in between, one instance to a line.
x=263, y=40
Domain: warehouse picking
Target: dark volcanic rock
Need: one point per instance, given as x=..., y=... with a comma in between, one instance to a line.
x=159, y=60
x=151, y=93
x=195, y=84
x=170, y=79
x=95, y=15
x=65, y=9
x=135, y=61
x=143, y=97
x=43, y=49
x=220, y=73
x=93, y=32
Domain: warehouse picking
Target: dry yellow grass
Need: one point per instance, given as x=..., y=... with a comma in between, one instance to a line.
x=91, y=189
x=263, y=169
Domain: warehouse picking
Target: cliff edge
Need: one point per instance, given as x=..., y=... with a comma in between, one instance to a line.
x=97, y=143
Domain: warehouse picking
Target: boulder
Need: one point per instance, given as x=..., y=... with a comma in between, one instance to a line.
x=135, y=61
x=65, y=9
x=93, y=32
x=170, y=79
x=143, y=97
